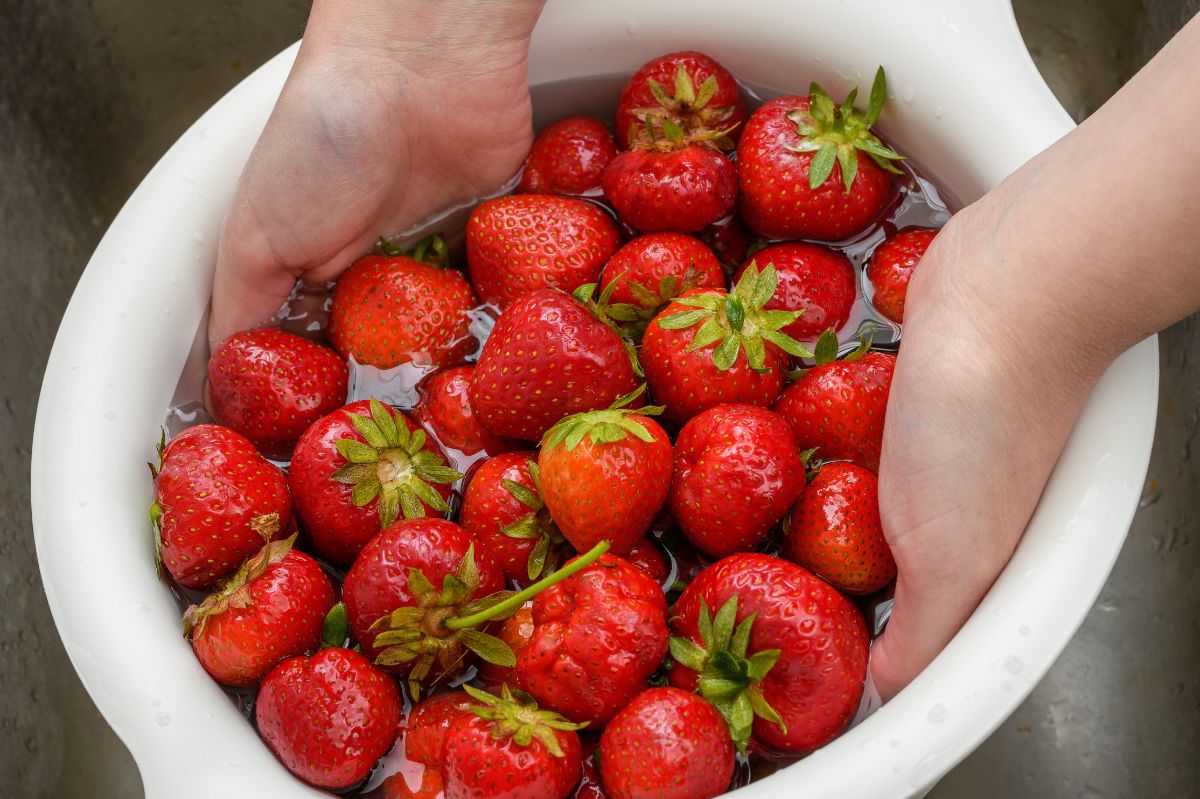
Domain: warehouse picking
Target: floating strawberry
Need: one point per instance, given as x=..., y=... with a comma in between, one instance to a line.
x=427, y=725
x=526, y=242
x=359, y=469
x=216, y=502
x=272, y=608
x=689, y=89
x=394, y=308
x=547, y=357
x=834, y=530
x=516, y=632
x=785, y=657
x=833, y=167
x=837, y=407
x=891, y=267
x=445, y=410
x=709, y=347
x=597, y=637
x=605, y=474
x=671, y=183
x=329, y=717
x=270, y=385
x=651, y=270
x=506, y=747
x=813, y=279
x=568, y=157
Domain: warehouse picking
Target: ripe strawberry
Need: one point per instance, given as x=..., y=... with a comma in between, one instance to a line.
x=605, y=474
x=360, y=468
x=837, y=407
x=270, y=386
x=813, y=279
x=598, y=635
x=729, y=239
x=329, y=717
x=785, y=651
x=671, y=184
x=505, y=748
x=526, y=242
x=737, y=471
x=429, y=785
x=568, y=157
x=392, y=309
x=709, y=348
x=590, y=786
x=690, y=89
x=516, y=631
x=834, y=530
x=271, y=609
x=649, y=271
x=427, y=724
x=503, y=509
x=445, y=410
x=646, y=555
x=216, y=502
x=547, y=357
x=811, y=170
x=891, y=267
x=666, y=744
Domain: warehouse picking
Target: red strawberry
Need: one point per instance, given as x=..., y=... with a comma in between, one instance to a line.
x=650, y=271
x=568, y=157
x=393, y=309
x=445, y=410
x=672, y=185
x=729, y=239
x=709, y=348
x=837, y=407
x=590, y=786
x=429, y=785
x=813, y=279
x=646, y=556
x=605, y=475
x=547, y=357
x=428, y=722
x=690, y=89
x=360, y=468
x=270, y=386
x=506, y=748
x=503, y=509
x=891, y=267
x=834, y=530
x=811, y=170
x=216, y=502
x=597, y=637
x=785, y=650
x=271, y=609
x=329, y=717
x=666, y=744
x=526, y=242
x=737, y=471
x=516, y=631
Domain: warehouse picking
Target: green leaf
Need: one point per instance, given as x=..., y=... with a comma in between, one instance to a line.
x=409, y=504
x=827, y=347
x=764, y=289
x=706, y=92
x=722, y=623
x=429, y=467
x=389, y=508
x=739, y=642
x=673, y=132
x=848, y=104
x=364, y=492
x=336, y=628
x=356, y=451
x=704, y=623
x=389, y=248
x=878, y=97
x=685, y=91
x=726, y=353
x=417, y=441
x=370, y=431
x=468, y=570
x=354, y=473
x=848, y=161
x=384, y=421
x=821, y=166
x=418, y=584
x=820, y=107
x=681, y=319
x=786, y=343
x=762, y=708
x=427, y=494
x=522, y=494
x=741, y=712
x=660, y=96
x=735, y=312
x=755, y=353
x=687, y=653
x=761, y=662
x=537, y=558
x=488, y=647
x=709, y=332
x=397, y=638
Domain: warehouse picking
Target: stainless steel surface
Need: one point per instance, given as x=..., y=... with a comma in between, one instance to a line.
x=93, y=91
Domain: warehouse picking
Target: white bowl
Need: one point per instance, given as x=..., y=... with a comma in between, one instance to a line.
x=968, y=105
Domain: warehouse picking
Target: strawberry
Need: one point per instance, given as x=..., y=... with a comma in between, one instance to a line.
x=503, y=509
x=729, y=239
x=690, y=89
x=837, y=407
x=216, y=502
x=427, y=724
x=646, y=555
x=429, y=786
x=709, y=347
x=516, y=631
x=813, y=279
x=649, y=271
x=547, y=357
x=506, y=748
x=666, y=744
x=737, y=471
x=568, y=157
x=445, y=410
x=526, y=242
x=270, y=385
x=392, y=309
x=598, y=635
x=834, y=530
x=811, y=170
x=891, y=267
x=785, y=656
x=271, y=609
x=329, y=717
x=671, y=184
x=605, y=474
x=590, y=786
x=358, y=469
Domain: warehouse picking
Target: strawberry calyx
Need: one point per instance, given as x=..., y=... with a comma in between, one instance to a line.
x=738, y=320
x=729, y=678
x=335, y=630
x=392, y=465
x=431, y=250
x=632, y=318
x=683, y=116
x=601, y=309
x=234, y=591
x=535, y=524
x=826, y=351
x=610, y=425
x=515, y=715
x=834, y=134
x=156, y=510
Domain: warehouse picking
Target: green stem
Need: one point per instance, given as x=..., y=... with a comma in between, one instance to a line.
x=521, y=597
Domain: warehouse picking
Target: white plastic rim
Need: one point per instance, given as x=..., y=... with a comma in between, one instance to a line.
x=968, y=104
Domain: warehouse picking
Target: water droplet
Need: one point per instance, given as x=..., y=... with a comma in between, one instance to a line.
x=198, y=237
x=937, y=714
x=82, y=503
x=110, y=416
x=894, y=743
x=1013, y=665
x=910, y=93
x=1023, y=629
x=632, y=27
x=142, y=607
x=937, y=112
x=156, y=702
x=163, y=719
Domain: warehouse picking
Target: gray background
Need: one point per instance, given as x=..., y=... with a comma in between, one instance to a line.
x=91, y=94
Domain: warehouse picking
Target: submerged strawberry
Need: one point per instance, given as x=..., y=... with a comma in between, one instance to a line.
x=651, y=270
x=445, y=409
x=813, y=279
x=891, y=266
x=427, y=725
x=672, y=184
x=689, y=89
x=568, y=157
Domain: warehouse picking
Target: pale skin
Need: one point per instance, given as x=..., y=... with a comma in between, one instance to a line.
x=396, y=110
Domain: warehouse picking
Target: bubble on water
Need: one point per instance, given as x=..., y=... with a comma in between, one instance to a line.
x=1013, y=664
x=937, y=714
x=163, y=719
